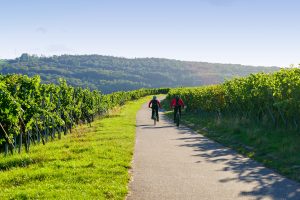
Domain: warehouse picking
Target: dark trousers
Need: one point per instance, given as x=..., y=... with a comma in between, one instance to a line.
x=177, y=108
x=155, y=109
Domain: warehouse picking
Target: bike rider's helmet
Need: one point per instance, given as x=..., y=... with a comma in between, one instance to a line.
x=154, y=98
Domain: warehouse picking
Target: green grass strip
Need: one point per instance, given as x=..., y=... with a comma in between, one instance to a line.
x=90, y=163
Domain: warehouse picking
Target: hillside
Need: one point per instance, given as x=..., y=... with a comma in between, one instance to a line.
x=111, y=74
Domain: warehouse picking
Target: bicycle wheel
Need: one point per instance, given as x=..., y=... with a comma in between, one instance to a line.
x=154, y=118
x=177, y=118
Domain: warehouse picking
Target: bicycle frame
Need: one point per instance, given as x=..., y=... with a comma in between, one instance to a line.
x=177, y=117
x=154, y=116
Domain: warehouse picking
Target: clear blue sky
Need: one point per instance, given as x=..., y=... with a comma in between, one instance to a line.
x=256, y=32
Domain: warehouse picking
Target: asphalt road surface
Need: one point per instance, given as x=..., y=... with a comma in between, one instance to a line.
x=177, y=163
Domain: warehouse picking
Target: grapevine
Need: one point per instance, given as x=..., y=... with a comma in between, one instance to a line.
x=33, y=112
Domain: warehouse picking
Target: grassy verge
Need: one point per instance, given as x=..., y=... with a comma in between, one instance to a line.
x=90, y=163
x=276, y=149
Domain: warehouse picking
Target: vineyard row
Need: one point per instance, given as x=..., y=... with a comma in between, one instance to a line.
x=32, y=112
x=272, y=99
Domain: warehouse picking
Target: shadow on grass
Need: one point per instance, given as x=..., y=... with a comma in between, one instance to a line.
x=112, y=116
x=268, y=183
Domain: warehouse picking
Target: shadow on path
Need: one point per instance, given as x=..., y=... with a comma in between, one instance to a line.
x=148, y=126
x=268, y=183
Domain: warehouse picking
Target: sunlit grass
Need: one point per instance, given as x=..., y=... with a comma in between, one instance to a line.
x=90, y=163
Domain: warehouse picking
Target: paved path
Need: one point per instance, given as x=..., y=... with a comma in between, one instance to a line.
x=177, y=163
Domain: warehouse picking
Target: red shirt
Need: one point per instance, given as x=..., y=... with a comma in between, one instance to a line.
x=180, y=102
x=158, y=103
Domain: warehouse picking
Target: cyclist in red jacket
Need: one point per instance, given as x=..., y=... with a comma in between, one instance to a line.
x=155, y=105
x=177, y=104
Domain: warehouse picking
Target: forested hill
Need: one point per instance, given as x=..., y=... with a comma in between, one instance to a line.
x=110, y=74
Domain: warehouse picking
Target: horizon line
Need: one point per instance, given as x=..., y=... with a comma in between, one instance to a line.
x=132, y=58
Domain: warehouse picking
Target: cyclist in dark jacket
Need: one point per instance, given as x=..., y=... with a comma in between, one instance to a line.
x=155, y=105
x=177, y=104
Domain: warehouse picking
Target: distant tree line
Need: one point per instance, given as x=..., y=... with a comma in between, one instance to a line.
x=110, y=74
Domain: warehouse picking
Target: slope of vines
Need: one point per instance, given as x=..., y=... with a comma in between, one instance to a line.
x=272, y=99
x=32, y=112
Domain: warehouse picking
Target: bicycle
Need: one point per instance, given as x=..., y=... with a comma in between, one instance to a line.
x=177, y=118
x=154, y=114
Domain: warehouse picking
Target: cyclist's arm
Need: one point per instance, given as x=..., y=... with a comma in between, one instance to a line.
x=159, y=104
x=150, y=103
x=181, y=103
x=172, y=103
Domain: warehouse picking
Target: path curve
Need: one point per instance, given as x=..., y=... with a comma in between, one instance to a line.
x=177, y=163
